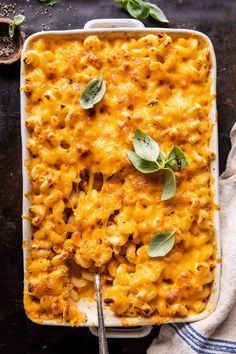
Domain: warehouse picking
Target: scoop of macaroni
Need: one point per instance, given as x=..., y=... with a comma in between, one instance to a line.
x=90, y=207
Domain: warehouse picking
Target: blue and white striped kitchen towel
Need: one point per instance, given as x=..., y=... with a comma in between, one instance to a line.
x=217, y=333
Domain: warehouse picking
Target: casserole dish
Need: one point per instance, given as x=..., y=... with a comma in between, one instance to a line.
x=133, y=27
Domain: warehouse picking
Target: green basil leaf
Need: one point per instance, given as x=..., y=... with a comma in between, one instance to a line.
x=11, y=29
x=141, y=9
x=169, y=189
x=137, y=9
x=18, y=19
x=145, y=147
x=157, y=13
x=161, y=244
x=92, y=93
x=50, y=2
x=125, y=4
x=161, y=159
x=176, y=159
x=142, y=165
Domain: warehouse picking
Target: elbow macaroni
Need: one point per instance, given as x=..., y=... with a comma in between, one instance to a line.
x=89, y=206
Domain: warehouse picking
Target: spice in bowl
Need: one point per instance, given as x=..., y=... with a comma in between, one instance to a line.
x=7, y=46
x=11, y=39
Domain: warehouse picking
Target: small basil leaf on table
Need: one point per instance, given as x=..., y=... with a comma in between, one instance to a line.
x=145, y=147
x=161, y=244
x=176, y=159
x=19, y=19
x=142, y=165
x=142, y=9
x=169, y=189
x=92, y=93
x=50, y=2
x=157, y=13
x=136, y=9
x=11, y=30
x=125, y=4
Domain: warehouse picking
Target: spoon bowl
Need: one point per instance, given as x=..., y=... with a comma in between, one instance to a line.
x=103, y=348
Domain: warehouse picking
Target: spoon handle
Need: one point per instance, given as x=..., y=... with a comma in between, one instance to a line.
x=103, y=349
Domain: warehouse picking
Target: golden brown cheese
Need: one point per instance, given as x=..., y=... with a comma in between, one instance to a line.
x=89, y=205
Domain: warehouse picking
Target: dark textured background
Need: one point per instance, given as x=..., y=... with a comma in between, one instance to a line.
x=216, y=18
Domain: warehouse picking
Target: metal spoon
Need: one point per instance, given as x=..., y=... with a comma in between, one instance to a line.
x=103, y=348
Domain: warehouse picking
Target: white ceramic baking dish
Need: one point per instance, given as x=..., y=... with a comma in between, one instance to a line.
x=132, y=26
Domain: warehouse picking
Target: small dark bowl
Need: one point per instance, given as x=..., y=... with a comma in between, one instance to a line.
x=18, y=39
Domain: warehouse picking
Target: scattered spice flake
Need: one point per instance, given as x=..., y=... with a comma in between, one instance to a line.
x=7, y=46
x=45, y=27
x=6, y=9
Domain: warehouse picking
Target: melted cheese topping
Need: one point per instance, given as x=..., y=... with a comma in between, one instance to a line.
x=89, y=206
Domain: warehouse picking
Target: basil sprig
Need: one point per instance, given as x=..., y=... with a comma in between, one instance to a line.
x=136, y=9
x=148, y=158
x=161, y=244
x=141, y=9
x=17, y=21
x=50, y=2
x=92, y=93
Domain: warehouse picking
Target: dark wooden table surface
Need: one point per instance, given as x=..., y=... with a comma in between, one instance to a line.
x=216, y=18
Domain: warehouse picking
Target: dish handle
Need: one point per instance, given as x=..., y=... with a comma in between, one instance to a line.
x=113, y=23
x=124, y=332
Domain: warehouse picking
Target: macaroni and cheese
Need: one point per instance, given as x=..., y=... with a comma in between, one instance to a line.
x=90, y=207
